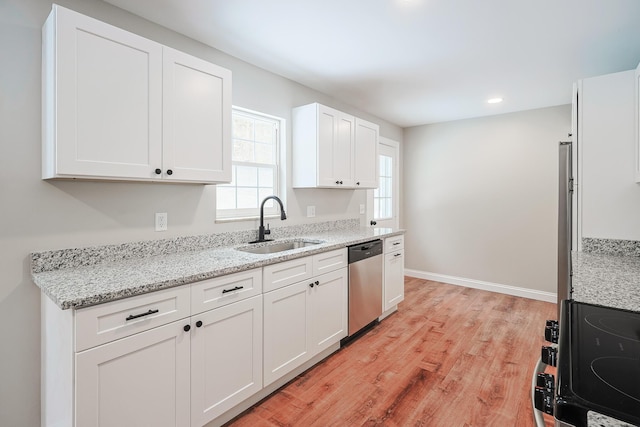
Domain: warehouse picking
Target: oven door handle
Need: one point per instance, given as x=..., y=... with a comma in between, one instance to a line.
x=538, y=418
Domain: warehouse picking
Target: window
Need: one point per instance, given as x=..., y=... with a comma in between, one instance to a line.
x=255, y=155
x=383, y=195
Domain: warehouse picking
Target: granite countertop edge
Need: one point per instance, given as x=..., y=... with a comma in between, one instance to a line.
x=79, y=287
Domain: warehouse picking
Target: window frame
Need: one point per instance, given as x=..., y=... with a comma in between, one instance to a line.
x=387, y=197
x=279, y=188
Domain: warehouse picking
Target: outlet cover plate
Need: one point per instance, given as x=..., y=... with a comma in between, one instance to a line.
x=161, y=221
x=311, y=211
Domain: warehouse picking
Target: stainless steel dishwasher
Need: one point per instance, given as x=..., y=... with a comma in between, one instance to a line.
x=365, y=284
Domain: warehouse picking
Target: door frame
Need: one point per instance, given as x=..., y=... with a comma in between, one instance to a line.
x=395, y=221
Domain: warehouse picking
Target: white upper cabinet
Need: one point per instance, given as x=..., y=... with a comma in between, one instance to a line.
x=328, y=150
x=121, y=107
x=366, y=154
x=196, y=119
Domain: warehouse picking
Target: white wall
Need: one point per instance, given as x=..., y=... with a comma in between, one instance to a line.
x=481, y=199
x=36, y=215
x=610, y=196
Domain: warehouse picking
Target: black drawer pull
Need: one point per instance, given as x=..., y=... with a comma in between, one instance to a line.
x=135, y=316
x=224, y=291
x=396, y=243
x=397, y=255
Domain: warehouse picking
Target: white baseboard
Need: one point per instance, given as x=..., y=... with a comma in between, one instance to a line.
x=486, y=286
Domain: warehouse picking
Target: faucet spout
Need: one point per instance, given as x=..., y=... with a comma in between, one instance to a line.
x=261, y=229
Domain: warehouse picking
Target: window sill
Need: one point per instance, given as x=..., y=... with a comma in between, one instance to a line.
x=247, y=218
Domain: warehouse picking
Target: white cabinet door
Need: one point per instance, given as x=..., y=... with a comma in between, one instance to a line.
x=343, y=153
x=326, y=145
x=141, y=380
x=196, y=119
x=102, y=106
x=329, y=317
x=286, y=330
x=226, y=358
x=334, y=147
x=366, y=163
x=323, y=147
x=393, y=278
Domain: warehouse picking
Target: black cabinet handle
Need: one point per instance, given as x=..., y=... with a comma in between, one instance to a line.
x=169, y=172
x=187, y=328
x=224, y=291
x=373, y=223
x=337, y=182
x=158, y=171
x=136, y=316
x=358, y=183
x=311, y=285
x=340, y=182
x=397, y=255
x=199, y=323
x=317, y=283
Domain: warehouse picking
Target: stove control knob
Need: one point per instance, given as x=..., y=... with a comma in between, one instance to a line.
x=549, y=356
x=552, y=331
x=543, y=400
x=545, y=381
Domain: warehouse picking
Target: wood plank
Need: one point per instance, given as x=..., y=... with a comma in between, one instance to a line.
x=451, y=356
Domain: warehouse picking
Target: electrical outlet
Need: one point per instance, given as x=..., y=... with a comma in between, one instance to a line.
x=161, y=221
x=311, y=211
x=361, y=208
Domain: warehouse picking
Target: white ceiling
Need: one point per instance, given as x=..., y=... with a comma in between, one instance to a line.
x=414, y=62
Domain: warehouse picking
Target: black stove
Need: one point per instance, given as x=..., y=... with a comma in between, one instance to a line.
x=598, y=364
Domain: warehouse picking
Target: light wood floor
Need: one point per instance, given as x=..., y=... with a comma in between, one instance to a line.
x=451, y=356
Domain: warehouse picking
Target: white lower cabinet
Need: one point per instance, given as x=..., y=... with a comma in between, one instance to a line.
x=141, y=380
x=301, y=320
x=393, y=290
x=226, y=358
x=186, y=356
x=185, y=373
x=393, y=279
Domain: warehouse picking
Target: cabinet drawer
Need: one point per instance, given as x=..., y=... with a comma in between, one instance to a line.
x=397, y=254
x=393, y=243
x=329, y=261
x=224, y=290
x=106, y=322
x=276, y=276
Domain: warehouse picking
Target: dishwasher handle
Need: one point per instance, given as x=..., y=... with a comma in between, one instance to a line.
x=364, y=250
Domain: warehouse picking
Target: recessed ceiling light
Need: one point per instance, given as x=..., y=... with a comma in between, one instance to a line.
x=494, y=100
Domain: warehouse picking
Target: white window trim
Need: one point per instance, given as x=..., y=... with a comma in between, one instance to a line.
x=231, y=215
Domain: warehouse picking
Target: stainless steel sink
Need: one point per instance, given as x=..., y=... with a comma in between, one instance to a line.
x=270, y=248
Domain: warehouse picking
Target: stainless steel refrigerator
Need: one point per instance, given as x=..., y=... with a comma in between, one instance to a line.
x=565, y=214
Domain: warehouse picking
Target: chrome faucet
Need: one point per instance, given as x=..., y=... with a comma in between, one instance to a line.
x=261, y=229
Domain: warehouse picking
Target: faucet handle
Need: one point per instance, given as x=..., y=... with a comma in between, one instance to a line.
x=267, y=231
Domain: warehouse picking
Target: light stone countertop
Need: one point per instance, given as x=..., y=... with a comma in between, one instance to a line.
x=86, y=285
x=608, y=280
x=607, y=273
